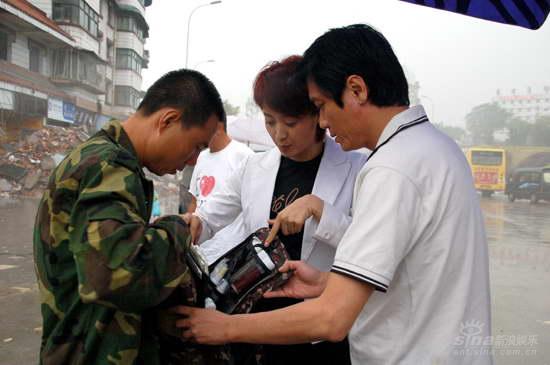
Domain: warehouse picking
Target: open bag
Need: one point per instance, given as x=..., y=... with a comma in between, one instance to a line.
x=240, y=277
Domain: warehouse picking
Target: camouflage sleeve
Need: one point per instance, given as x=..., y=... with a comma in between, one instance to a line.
x=121, y=260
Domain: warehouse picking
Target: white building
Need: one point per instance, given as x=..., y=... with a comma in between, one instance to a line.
x=70, y=61
x=528, y=106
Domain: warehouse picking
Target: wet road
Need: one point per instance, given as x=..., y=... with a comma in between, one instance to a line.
x=519, y=246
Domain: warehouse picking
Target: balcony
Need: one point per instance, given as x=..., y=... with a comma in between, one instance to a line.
x=79, y=68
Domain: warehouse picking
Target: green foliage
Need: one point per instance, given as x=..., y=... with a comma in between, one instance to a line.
x=229, y=108
x=541, y=131
x=484, y=120
x=519, y=131
x=455, y=133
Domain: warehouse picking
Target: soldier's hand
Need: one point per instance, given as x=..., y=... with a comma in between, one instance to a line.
x=205, y=326
x=306, y=282
x=291, y=219
x=195, y=226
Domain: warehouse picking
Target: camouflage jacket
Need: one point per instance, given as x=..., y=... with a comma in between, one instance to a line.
x=100, y=265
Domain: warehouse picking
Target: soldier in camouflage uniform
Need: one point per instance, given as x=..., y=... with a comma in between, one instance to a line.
x=101, y=267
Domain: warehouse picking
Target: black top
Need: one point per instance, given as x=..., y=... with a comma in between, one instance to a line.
x=294, y=180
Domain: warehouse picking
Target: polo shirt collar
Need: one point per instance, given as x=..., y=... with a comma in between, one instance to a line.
x=409, y=115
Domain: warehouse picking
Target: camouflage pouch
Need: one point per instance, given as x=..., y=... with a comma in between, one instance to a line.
x=238, y=279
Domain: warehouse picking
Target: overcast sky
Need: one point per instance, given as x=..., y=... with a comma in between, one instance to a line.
x=459, y=61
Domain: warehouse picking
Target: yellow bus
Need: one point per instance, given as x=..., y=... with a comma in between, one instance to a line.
x=488, y=168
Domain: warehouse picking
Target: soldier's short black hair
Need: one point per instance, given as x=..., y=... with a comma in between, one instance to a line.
x=188, y=91
x=361, y=50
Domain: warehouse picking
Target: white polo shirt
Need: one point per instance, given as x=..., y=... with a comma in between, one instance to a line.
x=417, y=236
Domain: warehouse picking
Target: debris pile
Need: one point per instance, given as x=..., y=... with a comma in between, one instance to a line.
x=167, y=189
x=26, y=165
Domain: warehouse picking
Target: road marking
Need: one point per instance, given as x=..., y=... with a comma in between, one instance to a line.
x=6, y=267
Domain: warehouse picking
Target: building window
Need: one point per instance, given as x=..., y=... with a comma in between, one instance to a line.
x=127, y=96
x=4, y=46
x=80, y=66
x=111, y=20
x=128, y=59
x=36, y=53
x=127, y=23
x=76, y=12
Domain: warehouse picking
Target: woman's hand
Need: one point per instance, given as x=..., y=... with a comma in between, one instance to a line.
x=195, y=226
x=291, y=219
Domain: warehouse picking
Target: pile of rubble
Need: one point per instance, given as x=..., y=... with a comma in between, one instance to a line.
x=167, y=188
x=26, y=165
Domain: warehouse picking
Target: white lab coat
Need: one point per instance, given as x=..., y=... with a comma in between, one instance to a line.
x=250, y=191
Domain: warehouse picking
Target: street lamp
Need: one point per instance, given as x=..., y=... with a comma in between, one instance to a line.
x=189, y=26
x=202, y=62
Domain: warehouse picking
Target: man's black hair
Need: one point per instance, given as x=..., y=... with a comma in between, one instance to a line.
x=359, y=50
x=188, y=91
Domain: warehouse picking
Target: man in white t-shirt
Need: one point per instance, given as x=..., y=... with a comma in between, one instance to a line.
x=214, y=166
x=410, y=280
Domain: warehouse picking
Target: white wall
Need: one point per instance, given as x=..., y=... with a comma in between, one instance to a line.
x=76, y=91
x=122, y=111
x=127, y=78
x=44, y=5
x=82, y=38
x=129, y=40
x=109, y=72
x=23, y=90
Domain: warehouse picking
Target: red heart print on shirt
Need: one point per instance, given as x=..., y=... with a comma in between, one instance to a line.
x=207, y=184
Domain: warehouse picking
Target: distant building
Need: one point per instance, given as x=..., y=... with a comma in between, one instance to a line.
x=528, y=106
x=75, y=62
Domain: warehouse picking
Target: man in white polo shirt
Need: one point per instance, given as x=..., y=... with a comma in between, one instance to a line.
x=410, y=279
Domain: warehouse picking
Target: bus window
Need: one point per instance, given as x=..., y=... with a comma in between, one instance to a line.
x=486, y=158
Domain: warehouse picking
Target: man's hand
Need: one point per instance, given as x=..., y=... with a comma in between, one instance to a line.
x=291, y=219
x=205, y=326
x=306, y=282
x=195, y=226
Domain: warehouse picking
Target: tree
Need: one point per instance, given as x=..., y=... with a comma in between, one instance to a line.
x=518, y=132
x=455, y=133
x=251, y=109
x=484, y=120
x=541, y=131
x=229, y=108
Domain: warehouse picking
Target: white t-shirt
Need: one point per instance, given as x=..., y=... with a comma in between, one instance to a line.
x=211, y=172
x=417, y=236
